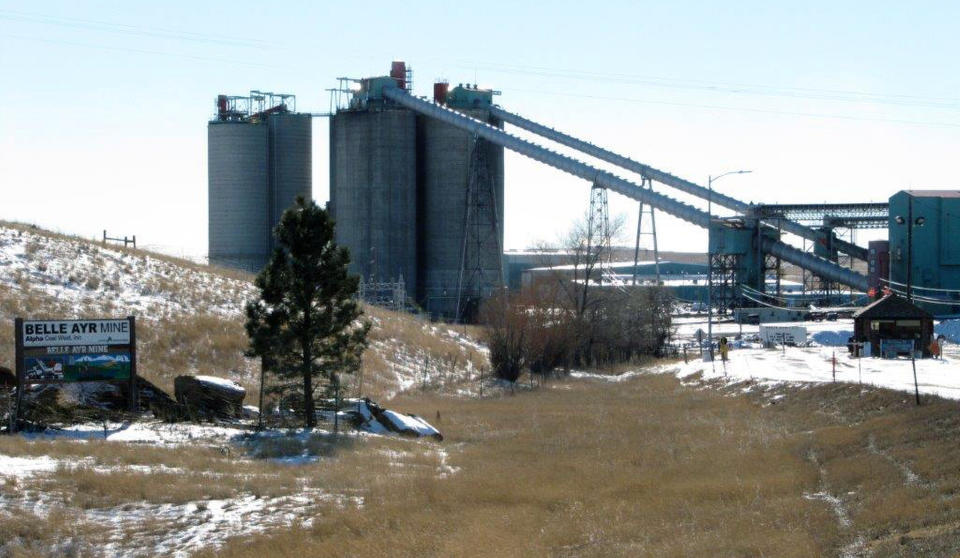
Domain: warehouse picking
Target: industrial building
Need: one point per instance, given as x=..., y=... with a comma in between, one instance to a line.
x=259, y=153
x=892, y=326
x=450, y=197
x=416, y=189
x=924, y=244
x=416, y=199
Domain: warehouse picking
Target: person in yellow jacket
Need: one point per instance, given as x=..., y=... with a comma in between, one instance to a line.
x=724, y=349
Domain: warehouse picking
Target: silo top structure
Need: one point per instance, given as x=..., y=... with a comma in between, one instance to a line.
x=259, y=161
x=400, y=186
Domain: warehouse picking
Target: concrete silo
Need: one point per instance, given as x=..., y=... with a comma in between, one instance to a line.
x=238, y=224
x=258, y=161
x=373, y=185
x=399, y=186
x=447, y=165
x=291, y=160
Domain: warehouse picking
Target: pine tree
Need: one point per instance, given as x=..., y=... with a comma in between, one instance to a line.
x=306, y=324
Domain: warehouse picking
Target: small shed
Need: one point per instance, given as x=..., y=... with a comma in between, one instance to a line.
x=892, y=325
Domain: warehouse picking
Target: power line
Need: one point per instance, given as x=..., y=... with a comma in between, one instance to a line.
x=110, y=27
x=943, y=103
x=139, y=51
x=949, y=103
x=920, y=287
x=742, y=109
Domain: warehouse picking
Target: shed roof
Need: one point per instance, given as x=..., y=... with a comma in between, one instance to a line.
x=934, y=193
x=892, y=306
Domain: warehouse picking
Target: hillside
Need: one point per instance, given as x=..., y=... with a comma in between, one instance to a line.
x=190, y=316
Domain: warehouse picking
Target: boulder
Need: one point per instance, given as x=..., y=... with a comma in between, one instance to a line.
x=83, y=401
x=209, y=397
x=7, y=378
x=375, y=419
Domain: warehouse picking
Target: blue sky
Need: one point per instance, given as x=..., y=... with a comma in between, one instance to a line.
x=104, y=106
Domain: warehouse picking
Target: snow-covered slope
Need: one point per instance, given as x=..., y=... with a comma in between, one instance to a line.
x=82, y=276
x=802, y=365
x=190, y=316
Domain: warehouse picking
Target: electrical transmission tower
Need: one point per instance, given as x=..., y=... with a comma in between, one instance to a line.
x=647, y=184
x=481, y=257
x=598, y=230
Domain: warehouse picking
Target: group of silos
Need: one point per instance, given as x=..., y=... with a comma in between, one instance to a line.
x=399, y=185
x=259, y=155
x=399, y=189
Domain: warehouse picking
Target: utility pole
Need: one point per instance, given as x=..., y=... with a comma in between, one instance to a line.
x=910, y=249
x=710, y=181
x=263, y=368
x=710, y=269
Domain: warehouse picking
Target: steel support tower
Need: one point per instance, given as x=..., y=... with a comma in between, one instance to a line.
x=647, y=184
x=479, y=276
x=598, y=227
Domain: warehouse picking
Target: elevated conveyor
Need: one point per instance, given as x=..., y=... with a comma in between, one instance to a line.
x=685, y=211
x=665, y=178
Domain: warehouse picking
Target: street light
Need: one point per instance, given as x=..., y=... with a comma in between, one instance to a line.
x=710, y=181
x=910, y=222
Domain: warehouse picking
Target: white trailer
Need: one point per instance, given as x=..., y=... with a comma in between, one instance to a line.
x=783, y=335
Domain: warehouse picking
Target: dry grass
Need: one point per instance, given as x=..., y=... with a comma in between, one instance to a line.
x=440, y=358
x=59, y=533
x=644, y=467
x=576, y=468
x=198, y=344
x=893, y=464
x=648, y=468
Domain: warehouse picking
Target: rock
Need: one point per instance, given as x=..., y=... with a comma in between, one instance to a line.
x=374, y=418
x=82, y=401
x=209, y=397
x=7, y=378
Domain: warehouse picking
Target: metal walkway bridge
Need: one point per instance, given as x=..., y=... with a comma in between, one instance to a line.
x=820, y=266
x=665, y=178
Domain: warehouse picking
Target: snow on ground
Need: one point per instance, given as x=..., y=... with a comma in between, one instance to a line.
x=145, y=432
x=614, y=378
x=410, y=367
x=412, y=423
x=686, y=328
x=949, y=329
x=195, y=525
x=814, y=364
x=221, y=382
x=80, y=274
x=832, y=338
x=148, y=529
x=22, y=467
x=144, y=529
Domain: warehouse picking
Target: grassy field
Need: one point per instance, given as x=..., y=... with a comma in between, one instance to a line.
x=649, y=466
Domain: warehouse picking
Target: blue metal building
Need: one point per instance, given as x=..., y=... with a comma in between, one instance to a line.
x=924, y=233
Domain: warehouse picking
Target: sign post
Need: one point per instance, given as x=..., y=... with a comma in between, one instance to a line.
x=18, y=355
x=60, y=351
x=913, y=361
x=133, y=401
